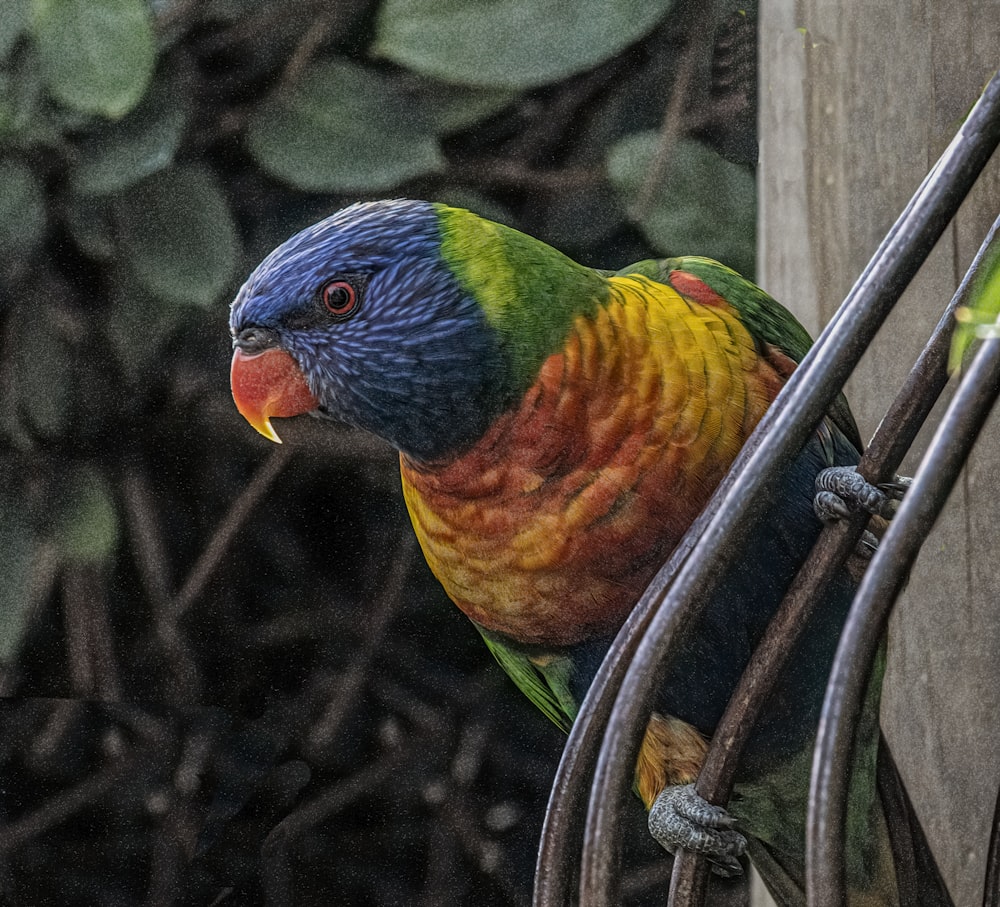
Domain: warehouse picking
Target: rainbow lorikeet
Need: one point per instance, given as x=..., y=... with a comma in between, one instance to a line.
x=559, y=429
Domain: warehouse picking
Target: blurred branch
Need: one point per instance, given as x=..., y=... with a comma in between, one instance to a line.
x=262, y=21
x=559, y=126
x=154, y=570
x=227, y=529
x=318, y=31
x=62, y=806
x=180, y=824
x=501, y=173
x=276, y=847
x=463, y=818
x=352, y=680
x=89, y=637
x=43, y=577
x=153, y=563
x=670, y=129
x=150, y=550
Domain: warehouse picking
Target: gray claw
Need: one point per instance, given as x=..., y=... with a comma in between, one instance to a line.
x=897, y=488
x=867, y=545
x=680, y=818
x=830, y=506
x=841, y=490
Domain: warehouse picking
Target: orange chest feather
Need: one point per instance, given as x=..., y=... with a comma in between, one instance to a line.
x=551, y=526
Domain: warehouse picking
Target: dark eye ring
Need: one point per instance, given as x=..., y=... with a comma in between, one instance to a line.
x=340, y=298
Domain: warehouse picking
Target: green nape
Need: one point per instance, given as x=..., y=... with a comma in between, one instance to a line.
x=529, y=292
x=765, y=318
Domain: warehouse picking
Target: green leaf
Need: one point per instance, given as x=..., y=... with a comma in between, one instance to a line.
x=12, y=23
x=21, y=96
x=510, y=43
x=978, y=319
x=97, y=55
x=42, y=376
x=88, y=524
x=22, y=210
x=136, y=331
x=141, y=144
x=702, y=205
x=177, y=235
x=341, y=129
x=452, y=108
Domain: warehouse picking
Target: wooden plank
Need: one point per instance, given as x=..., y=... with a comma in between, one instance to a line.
x=857, y=101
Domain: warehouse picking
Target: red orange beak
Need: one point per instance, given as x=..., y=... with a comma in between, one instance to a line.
x=269, y=384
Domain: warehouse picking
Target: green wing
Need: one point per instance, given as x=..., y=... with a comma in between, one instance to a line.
x=543, y=678
x=765, y=318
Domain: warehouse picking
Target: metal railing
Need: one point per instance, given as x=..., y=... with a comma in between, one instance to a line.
x=579, y=855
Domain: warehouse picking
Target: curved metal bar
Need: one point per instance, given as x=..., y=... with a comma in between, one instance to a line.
x=562, y=830
x=784, y=429
x=885, y=577
x=991, y=887
x=554, y=876
x=880, y=461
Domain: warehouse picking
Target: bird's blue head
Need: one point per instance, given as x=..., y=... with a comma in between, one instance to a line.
x=366, y=309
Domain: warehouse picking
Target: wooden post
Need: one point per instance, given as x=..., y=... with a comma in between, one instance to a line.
x=857, y=100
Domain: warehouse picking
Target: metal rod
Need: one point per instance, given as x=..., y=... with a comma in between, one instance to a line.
x=784, y=429
x=885, y=577
x=991, y=887
x=562, y=832
x=894, y=436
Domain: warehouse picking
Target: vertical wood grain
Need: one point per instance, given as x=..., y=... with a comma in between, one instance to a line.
x=857, y=101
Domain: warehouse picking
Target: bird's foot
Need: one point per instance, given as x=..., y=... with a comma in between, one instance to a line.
x=680, y=818
x=842, y=490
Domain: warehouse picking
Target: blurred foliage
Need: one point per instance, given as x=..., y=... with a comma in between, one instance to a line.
x=228, y=677
x=978, y=319
x=510, y=43
x=309, y=136
x=702, y=201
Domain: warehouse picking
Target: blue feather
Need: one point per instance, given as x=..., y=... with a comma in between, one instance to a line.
x=419, y=364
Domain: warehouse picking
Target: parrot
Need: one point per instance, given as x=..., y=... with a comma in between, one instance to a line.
x=559, y=428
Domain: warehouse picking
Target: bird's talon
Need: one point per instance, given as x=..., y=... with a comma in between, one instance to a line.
x=867, y=545
x=896, y=488
x=680, y=818
x=841, y=490
x=727, y=867
x=701, y=812
x=830, y=507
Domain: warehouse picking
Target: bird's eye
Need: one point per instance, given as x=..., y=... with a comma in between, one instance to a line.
x=340, y=298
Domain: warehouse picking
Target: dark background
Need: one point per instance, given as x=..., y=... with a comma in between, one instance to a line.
x=228, y=676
